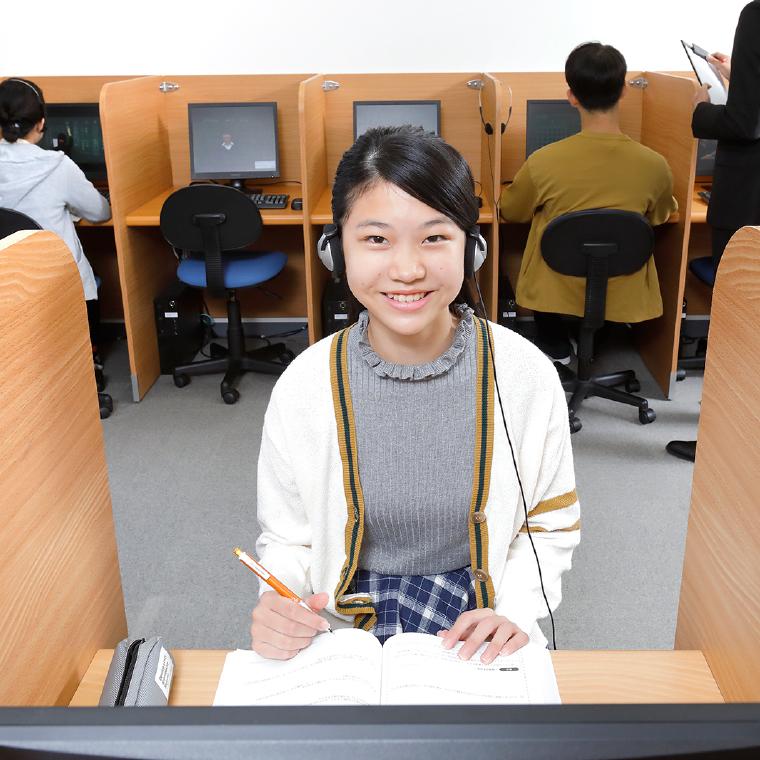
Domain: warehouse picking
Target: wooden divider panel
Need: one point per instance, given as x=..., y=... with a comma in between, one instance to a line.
x=72, y=89
x=666, y=128
x=60, y=589
x=311, y=120
x=137, y=157
x=491, y=98
x=719, y=609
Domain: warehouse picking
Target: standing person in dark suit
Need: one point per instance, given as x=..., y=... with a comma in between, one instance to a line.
x=735, y=198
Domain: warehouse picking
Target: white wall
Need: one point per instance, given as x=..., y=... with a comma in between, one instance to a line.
x=332, y=36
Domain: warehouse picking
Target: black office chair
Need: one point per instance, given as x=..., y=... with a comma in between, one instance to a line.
x=209, y=224
x=598, y=244
x=14, y=221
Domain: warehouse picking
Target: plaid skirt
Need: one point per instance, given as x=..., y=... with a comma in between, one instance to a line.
x=416, y=603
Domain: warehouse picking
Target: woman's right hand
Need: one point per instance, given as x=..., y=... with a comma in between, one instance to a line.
x=722, y=62
x=281, y=628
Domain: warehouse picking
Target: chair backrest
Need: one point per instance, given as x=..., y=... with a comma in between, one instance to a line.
x=569, y=239
x=597, y=244
x=14, y=221
x=210, y=219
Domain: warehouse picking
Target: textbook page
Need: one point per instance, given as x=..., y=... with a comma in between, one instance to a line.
x=418, y=670
x=339, y=668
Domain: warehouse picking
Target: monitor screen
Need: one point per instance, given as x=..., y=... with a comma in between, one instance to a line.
x=397, y=113
x=706, y=158
x=233, y=140
x=549, y=121
x=75, y=129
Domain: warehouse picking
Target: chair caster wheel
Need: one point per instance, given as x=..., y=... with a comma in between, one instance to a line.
x=286, y=357
x=181, y=380
x=680, y=375
x=646, y=416
x=230, y=396
x=105, y=402
x=575, y=424
x=632, y=386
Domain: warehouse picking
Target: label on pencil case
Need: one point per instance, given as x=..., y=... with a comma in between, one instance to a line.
x=164, y=672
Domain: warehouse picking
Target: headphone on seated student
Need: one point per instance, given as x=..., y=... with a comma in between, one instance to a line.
x=330, y=250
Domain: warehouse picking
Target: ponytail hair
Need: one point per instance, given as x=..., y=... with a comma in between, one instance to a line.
x=22, y=105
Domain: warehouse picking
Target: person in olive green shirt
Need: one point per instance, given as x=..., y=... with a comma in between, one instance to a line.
x=600, y=167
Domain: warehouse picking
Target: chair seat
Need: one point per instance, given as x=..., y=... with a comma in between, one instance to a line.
x=240, y=269
x=703, y=269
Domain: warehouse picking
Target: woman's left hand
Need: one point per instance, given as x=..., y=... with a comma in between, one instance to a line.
x=475, y=627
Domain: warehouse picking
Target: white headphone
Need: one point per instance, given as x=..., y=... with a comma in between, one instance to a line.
x=330, y=250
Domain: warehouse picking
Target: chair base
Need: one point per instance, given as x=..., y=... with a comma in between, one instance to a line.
x=603, y=386
x=271, y=359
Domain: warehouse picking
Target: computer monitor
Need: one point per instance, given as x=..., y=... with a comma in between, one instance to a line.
x=397, y=113
x=233, y=141
x=75, y=129
x=549, y=121
x=706, y=159
x=349, y=732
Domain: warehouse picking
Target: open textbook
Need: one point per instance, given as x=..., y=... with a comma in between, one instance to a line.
x=351, y=667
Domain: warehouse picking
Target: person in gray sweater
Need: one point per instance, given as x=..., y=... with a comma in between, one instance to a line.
x=46, y=185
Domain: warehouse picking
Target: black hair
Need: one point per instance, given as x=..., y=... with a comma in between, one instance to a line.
x=22, y=105
x=595, y=74
x=422, y=165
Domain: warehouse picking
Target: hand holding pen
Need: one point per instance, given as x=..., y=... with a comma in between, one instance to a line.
x=282, y=623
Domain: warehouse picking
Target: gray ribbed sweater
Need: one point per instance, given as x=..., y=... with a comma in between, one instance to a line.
x=415, y=428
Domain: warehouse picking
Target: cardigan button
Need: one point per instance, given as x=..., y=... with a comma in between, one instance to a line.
x=480, y=575
x=478, y=517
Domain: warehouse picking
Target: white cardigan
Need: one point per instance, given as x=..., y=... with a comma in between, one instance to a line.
x=302, y=506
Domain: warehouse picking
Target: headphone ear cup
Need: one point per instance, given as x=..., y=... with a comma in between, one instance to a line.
x=475, y=252
x=330, y=250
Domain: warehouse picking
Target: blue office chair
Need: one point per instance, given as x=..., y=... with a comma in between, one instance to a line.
x=598, y=244
x=14, y=221
x=210, y=224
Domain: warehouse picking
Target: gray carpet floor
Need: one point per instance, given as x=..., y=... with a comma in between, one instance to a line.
x=182, y=470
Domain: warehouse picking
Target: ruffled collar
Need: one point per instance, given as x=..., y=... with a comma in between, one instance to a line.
x=433, y=368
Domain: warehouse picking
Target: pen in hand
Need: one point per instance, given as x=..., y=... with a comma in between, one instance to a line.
x=269, y=579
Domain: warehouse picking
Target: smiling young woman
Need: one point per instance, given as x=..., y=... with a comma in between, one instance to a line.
x=385, y=489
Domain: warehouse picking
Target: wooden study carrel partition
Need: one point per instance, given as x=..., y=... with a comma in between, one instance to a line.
x=60, y=589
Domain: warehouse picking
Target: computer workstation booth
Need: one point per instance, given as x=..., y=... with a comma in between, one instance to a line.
x=148, y=150
x=466, y=107
x=62, y=620
x=655, y=111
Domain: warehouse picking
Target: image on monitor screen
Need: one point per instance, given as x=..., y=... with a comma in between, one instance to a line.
x=549, y=121
x=74, y=128
x=706, y=158
x=397, y=113
x=233, y=140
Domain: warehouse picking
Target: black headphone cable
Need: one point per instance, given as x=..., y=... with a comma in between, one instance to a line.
x=514, y=464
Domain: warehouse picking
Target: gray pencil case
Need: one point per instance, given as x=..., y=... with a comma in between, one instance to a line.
x=140, y=674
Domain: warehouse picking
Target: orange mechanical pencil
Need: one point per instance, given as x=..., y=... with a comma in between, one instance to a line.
x=268, y=578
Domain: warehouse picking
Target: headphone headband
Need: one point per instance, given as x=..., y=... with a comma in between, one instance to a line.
x=37, y=93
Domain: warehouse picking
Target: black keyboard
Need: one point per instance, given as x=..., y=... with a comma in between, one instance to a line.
x=270, y=201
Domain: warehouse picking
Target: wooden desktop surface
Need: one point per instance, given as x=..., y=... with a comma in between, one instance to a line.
x=149, y=213
x=590, y=677
x=322, y=212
